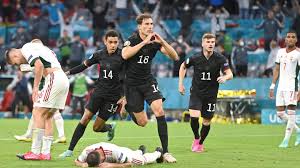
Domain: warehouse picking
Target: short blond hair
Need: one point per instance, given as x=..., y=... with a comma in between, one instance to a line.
x=208, y=36
x=36, y=41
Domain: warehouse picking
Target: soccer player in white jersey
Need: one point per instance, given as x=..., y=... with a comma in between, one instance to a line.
x=48, y=100
x=58, y=119
x=110, y=155
x=287, y=69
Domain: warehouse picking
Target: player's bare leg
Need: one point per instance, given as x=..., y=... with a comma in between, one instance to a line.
x=140, y=118
x=162, y=129
x=101, y=126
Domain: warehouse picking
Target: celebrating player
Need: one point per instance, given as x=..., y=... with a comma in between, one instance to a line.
x=205, y=86
x=107, y=96
x=138, y=51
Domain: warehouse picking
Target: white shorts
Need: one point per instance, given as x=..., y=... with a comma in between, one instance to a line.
x=285, y=98
x=54, y=92
x=134, y=157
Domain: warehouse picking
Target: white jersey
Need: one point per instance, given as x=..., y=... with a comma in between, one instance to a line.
x=289, y=68
x=113, y=153
x=32, y=51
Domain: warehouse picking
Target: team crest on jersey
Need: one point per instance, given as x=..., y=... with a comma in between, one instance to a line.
x=127, y=43
x=187, y=61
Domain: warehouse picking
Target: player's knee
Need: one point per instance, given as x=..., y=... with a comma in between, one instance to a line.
x=87, y=116
x=85, y=121
x=158, y=111
x=142, y=123
x=96, y=128
x=206, y=122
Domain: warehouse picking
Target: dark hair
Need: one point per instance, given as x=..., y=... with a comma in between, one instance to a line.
x=111, y=33
x=292, y=31
x=93, y=159
x=7, y=58
x=139, y=19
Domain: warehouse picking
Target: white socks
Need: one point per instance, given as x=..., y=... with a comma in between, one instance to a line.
x=283, y=116
x=29, y=128
x=47, y=141
x=290, y=124
x=37, y=138
x=151, y=157
x=59, y=122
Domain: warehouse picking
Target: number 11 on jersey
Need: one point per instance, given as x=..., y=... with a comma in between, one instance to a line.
x=205, y=76
x=211, y=107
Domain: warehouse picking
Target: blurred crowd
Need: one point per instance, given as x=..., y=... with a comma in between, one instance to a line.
x=34, y=18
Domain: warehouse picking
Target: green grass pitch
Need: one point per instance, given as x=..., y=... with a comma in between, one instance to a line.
x=227, y=146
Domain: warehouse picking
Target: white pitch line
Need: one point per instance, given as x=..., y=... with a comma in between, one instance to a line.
x=149, y=137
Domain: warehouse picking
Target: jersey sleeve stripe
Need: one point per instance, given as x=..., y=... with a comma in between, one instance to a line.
x=33, y=61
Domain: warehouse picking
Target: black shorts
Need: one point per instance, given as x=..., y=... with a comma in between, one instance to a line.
x=105, y=107
x=136, y=95
x=206, y=104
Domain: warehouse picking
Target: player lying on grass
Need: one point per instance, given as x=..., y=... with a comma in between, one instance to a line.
x=106, y=155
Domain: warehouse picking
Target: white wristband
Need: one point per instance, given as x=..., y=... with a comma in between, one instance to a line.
x=25, y=68
x=272, y=86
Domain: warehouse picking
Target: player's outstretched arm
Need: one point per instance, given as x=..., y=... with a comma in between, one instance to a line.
x=274, y=80
x=114, y=165
x=182, y=72
x=129, y=51
x=166, y=48
x=77, y=69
